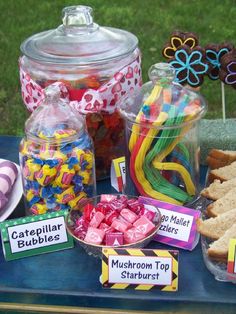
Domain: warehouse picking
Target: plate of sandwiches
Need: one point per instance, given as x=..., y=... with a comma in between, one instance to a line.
x=11, y=188
x=218, y=223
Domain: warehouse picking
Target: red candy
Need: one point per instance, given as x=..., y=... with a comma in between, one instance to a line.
x=88, y=212
x=133, y=235
x=148, y=213
x=123, y=199
x=111, y=216
x=128, y=215
x=129, y=224
x=94, y=235
x=114, y=239
x=114, y=221
x=107, y=198
x=134, y=205
x=103, y=208
x=117, y=205
x=144, y=225
x=106, y=227
x=97, y=219
x=119, y=225
x=81, y=228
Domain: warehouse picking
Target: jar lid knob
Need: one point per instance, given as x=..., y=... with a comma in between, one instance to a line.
x=52, y=93
x=80, y=16
x=161, y=72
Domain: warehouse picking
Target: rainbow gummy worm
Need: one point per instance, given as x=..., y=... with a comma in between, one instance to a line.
x=152, y=143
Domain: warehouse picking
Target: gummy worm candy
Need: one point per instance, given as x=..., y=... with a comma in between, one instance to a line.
x=148, y=152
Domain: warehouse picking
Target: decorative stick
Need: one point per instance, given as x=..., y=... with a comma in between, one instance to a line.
x=223, y=100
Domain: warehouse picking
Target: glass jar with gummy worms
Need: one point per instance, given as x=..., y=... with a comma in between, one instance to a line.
x=85, y=56
x=162, y=141
x=56, y=157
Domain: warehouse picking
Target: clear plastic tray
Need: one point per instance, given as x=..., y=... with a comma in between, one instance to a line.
x=218, y=269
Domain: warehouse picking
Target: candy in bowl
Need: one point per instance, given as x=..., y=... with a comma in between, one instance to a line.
x=111, y=220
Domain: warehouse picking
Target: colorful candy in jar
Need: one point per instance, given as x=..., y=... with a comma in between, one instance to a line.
x=162, y=139
x=96, y=74
x=57, y=158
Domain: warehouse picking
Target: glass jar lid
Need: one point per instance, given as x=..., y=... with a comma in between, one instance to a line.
x=163, y=102
x=54, y=121
x=79, y=41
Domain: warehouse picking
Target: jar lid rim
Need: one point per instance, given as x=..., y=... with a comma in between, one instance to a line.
x=47, y=48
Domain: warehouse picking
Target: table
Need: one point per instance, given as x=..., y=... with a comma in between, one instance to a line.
x=68, y=281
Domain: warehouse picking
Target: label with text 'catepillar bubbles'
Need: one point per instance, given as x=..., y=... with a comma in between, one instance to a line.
x=35, y=235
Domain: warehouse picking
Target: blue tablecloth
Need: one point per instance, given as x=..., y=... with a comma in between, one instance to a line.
x=71, y=277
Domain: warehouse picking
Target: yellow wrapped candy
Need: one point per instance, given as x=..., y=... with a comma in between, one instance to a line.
x=89, y=158
x=86, y=176
x=79, y=154
x=66, y=196
x=59, y=156
x=38, y=209
x=30, y=169
x=61, y=134
x=46, y=175
x=65, y=176
x=74, y=203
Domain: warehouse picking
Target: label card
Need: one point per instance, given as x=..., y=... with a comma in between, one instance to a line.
x=118, y=173
x=140, y=269
x=231, y=267
x=35, y=235
x=178, y=227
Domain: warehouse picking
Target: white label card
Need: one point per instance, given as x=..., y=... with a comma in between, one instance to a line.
x=37, y=234
x=140, y=270
x=175, y=225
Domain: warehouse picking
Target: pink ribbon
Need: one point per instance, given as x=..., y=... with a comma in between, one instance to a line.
x=104, y=99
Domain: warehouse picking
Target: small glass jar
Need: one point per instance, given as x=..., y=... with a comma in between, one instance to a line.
x=85, y=56
x=56, y=157
x=162, y=151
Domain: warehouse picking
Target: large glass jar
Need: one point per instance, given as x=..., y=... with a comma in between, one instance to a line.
x=56, y=157
x=162, y=151
x=86, y=57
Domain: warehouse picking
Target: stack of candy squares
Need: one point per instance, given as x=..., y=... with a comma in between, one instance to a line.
x=115, y=221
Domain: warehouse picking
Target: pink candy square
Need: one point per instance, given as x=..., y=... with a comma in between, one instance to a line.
x=105, y=227
x=133, y=235
x=129, y=224
x=117, y=205
x=134, y=205
x=107, y=198
x=97, y=219
x=148, y=213
x=119, y=225
x=94, y=235
x=114, y=239
x=128, y=215
x=144, y=225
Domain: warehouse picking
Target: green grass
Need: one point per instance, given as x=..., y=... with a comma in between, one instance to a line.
x=151, y=20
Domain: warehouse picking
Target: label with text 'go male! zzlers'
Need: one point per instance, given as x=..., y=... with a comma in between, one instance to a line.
x=178, y=224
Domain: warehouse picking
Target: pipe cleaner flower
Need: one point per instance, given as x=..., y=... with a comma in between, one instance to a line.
x=214, y=53
x=177, y=40
x=190, y=65
x=228, y=68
